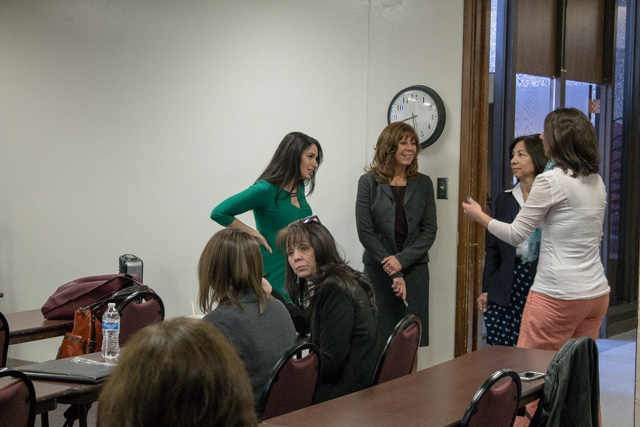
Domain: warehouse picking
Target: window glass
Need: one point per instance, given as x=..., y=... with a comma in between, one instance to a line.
x=492, y=37
x=615, y=154
x=577, y=95
x=533, y=103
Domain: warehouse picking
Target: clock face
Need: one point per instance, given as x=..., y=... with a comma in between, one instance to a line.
x=422, y=108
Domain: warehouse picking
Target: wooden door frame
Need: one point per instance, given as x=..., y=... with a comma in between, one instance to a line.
x=473, y=165
x=473, y=168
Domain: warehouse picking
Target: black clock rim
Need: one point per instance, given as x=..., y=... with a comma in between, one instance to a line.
x=442, y=114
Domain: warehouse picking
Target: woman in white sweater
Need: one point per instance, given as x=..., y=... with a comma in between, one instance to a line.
x=570, y=293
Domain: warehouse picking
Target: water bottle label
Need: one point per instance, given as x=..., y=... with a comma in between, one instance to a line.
x=110, y=326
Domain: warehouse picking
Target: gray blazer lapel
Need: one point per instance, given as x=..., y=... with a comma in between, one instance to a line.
x=386, y=189
x=412, y=185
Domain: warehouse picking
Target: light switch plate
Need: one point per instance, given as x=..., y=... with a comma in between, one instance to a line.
x=442, y=188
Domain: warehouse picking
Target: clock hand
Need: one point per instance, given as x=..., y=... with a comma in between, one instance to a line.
x=412, y=117
x=414, y=120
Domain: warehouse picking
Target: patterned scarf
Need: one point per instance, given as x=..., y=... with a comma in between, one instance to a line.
x=533, y=241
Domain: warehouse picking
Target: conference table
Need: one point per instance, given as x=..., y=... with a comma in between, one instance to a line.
x=30, y=325
x=436, y=396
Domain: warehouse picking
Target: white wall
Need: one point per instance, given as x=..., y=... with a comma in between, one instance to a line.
x=123, y=123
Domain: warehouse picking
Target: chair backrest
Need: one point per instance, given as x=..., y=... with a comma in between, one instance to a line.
x=4, y=340
x=17, y=400
x=399, y=353
x=495, y=404
x=138, y=310
x=292, y=383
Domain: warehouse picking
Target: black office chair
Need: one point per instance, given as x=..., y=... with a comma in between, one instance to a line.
x=400, y=351
x=495, y=405
x=17, y=400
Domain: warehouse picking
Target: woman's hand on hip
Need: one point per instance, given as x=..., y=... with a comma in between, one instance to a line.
x=399, y=287
x=483, y=301
x=262, y=241
x=251, y=232
x=391, y=265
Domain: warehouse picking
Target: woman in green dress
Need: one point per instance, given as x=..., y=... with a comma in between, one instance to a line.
x=277, y=198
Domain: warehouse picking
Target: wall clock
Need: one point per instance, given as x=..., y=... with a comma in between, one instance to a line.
x=422, y=108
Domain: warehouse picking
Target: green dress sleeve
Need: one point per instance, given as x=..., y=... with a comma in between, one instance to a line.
x=255, y=197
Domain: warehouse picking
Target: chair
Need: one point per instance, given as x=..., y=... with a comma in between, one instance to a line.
x=493, y=406
x=4, y=340
x=399, y=353
x=138, y=310
x=571, y=393
x=17, y=400
x=293, y=381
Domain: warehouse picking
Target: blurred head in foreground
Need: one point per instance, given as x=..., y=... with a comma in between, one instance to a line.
x=181, y=372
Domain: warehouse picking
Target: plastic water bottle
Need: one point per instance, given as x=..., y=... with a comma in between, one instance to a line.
x=111, y=332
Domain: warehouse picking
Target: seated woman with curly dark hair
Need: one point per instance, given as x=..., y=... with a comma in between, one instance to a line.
x=339, y=302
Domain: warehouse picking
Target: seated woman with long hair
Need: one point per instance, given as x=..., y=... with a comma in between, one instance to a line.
x=181, y=372
x=339, y=302
x=259, y=326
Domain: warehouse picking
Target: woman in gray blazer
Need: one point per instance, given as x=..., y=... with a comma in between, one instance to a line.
x=396, y=222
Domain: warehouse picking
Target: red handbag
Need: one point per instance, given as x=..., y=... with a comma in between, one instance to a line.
x=83, y=292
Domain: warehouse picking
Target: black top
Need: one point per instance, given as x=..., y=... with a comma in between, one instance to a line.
x=300, y=322
x=346, y=332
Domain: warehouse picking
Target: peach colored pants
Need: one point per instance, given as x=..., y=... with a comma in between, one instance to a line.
x=547, y=323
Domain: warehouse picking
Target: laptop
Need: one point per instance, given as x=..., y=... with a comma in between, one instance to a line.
x=74, y=369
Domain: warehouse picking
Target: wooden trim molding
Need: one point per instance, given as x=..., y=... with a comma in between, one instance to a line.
x=473, y=167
